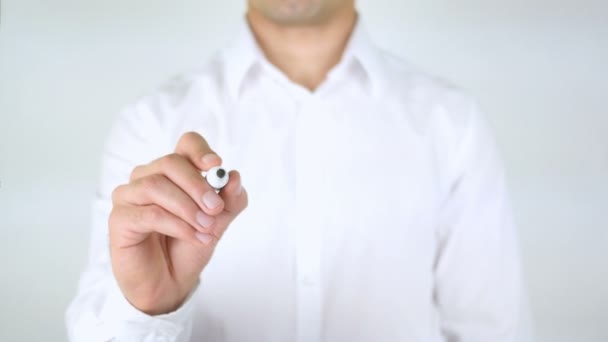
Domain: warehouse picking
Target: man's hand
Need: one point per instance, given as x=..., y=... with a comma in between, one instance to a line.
x=166, y=222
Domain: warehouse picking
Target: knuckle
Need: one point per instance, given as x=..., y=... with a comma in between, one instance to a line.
x=117, y=193
x=189, y=138
x=169, y=161
x=152, y=214
x=152, y=183
x=135, y=172
x=114, y=218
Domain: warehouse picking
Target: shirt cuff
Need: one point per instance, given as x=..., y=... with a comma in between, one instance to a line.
x=124, y=322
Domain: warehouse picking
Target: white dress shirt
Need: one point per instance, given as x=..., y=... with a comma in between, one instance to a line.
x=377, y=208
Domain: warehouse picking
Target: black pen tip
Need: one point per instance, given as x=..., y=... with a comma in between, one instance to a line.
x=221, y=173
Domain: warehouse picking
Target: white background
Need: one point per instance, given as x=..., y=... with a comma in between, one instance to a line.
x=539, y=68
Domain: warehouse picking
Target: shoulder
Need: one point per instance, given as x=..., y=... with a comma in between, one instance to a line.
x=193, y=92
x=436, y=108
x=413, y=83
x=185, y=88
x=152, y=119
x=427, y=99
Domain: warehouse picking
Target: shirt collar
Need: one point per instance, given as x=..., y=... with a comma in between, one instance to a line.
x=239, y=57
x=362, y=50
x=244, y=53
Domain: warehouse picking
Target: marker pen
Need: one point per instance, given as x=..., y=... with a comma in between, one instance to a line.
x=217, y=177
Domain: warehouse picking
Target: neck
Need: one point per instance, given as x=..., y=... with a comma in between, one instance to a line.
x=305, y=54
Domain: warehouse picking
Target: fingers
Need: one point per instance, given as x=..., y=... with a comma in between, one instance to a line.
x=234, y=203
x=173, y=190
x=183, y=174
x=235, y=199
x=157, y=189
x=195, y=148
x=141, y=221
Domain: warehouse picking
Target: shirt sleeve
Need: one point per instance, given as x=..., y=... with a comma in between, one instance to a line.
x=478, y=282
x=99, y=311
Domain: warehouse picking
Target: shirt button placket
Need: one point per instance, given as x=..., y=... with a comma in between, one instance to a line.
x=307, y=231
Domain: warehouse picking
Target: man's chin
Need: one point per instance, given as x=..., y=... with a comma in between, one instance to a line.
x=297, y=13
x=298, y=20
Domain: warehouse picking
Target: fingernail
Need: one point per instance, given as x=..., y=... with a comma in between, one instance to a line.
x=239, y=190
x=204, y=220
x=204, y=238
x=211, y=199
x=210, y=158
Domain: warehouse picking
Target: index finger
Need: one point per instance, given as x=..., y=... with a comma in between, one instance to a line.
x=195, y=148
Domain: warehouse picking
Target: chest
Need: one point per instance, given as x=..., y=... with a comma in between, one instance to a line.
x=342, y=197
x=346, y=166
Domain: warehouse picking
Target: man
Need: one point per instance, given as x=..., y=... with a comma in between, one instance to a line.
x=376, y=203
